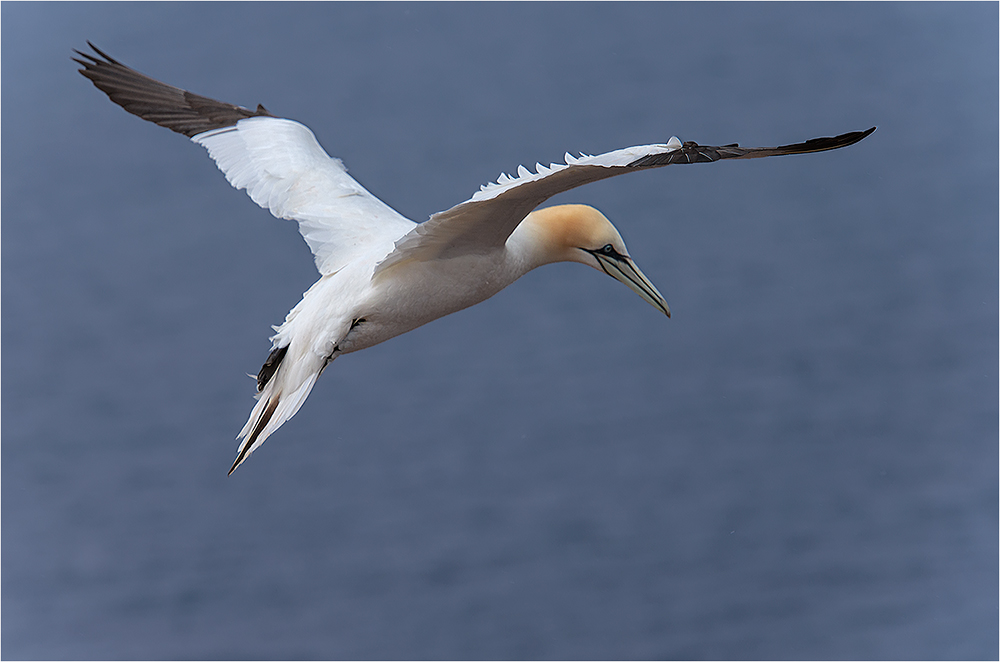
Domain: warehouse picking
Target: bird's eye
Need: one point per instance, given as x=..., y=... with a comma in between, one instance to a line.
x=608, y=249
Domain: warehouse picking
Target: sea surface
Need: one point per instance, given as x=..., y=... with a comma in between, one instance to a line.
x=801, y=464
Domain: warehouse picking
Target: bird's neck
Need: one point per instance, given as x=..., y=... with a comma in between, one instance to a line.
x=539, y=239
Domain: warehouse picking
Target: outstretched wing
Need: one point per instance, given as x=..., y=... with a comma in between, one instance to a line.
x=278, y=161
x=483, y=223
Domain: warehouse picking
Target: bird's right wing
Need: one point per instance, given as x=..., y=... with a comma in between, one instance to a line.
x=278, y=161
x=484, y=222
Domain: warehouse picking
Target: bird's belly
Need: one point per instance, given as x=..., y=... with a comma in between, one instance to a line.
x=420, y=294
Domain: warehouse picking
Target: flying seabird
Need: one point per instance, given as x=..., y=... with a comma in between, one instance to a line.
x=381, y=274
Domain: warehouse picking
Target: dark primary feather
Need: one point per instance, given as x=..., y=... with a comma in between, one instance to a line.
x=692, y=152
x=166, y=105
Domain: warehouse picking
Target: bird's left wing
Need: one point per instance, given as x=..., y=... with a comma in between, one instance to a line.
x=485, y=221
x=278, y=161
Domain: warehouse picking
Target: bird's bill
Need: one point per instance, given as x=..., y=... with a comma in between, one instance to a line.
x=623, y=269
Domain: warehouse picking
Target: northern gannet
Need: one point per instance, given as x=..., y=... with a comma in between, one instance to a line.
x=381, y=274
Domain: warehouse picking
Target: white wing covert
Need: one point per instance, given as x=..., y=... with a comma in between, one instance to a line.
x=278, y=161
x=285, y=170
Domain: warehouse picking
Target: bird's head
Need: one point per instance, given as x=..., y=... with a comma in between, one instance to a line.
x=580, y=233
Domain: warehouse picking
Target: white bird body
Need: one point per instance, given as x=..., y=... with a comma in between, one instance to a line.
x=381, y=274
x=353, y=308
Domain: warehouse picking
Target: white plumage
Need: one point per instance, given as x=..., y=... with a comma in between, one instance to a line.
x=285, y=171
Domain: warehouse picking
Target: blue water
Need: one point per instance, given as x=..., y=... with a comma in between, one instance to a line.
x=801, y=463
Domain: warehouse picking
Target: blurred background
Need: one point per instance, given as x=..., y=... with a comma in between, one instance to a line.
x=801, y=463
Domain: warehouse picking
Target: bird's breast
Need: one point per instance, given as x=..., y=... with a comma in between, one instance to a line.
x=418, y=292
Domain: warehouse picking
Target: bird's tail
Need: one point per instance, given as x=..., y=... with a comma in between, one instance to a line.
x=284, y=382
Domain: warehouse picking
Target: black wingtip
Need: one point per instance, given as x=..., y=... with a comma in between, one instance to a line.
x=824, y=144
x=860, y=135
x=102, y=53
x=91, y=60
x=168, y=106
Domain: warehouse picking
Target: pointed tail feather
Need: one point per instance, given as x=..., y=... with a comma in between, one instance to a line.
x=276, y=403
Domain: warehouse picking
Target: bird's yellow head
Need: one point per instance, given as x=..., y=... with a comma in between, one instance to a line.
x=580, y=233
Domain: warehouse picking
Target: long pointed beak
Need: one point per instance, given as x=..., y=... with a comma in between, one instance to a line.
x=622, y=268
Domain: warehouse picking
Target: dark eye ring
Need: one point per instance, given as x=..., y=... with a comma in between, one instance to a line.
x=608, y=249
